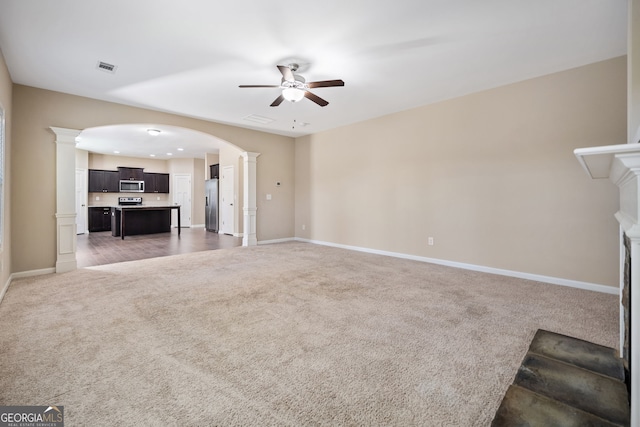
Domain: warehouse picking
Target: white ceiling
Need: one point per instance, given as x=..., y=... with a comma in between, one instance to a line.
x=189, y=57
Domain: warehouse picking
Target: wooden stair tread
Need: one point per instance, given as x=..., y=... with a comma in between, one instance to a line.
x=564, y=381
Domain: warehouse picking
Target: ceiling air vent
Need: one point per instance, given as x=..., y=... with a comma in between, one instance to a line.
x=258, y=119
x=107, y=68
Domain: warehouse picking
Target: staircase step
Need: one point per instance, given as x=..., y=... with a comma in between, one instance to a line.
x=564, y=381
x=524, y=408
x=584, y=354
x=591, y=392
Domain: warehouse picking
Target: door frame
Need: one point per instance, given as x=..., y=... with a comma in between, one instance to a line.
x=81, y=205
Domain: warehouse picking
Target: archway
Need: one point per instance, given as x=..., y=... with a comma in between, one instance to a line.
x=65, y=197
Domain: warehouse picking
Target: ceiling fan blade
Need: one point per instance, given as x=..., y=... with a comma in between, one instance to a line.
x=315, y=98
x=325, y=83
x=259, y=86
x=286, y=73
x=277, y=102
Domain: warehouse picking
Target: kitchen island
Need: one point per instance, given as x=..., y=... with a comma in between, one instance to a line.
x=141, y=219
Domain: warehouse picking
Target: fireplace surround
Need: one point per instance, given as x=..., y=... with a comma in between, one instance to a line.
x=621, y=165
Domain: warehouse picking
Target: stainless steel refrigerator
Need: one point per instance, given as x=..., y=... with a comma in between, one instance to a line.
x=211, y=204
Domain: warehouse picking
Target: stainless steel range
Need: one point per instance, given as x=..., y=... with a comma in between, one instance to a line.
x=130, y=201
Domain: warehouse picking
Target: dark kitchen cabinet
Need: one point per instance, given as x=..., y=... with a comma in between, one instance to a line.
x=99, y=219
x=131, y=174
x=142, y=221
x=101, y=181
x=214, y=171
x=156, y=182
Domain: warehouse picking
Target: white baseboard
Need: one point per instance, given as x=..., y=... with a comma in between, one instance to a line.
x=21, y=274
x=5, y=288
x=268, y=242
x=30, y=273
x=529, y=276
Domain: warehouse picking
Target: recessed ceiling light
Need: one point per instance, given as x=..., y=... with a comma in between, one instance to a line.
x=152, y=155
x=169, y=154
x=180, y=149
x=154, y=132
x=116, y=152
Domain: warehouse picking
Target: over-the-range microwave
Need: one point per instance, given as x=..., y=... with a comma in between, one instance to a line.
x=131, y=186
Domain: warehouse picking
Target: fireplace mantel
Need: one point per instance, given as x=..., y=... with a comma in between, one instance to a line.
x=599, y=161
x=621, y=165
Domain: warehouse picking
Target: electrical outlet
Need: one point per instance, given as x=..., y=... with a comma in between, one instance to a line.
x=268, y=196
x=304, y=227
x=430, y=241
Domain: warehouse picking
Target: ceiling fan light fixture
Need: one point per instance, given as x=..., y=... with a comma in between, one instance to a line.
x=293, y=94
x=154, y=132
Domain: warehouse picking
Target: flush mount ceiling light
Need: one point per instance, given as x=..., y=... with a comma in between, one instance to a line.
x=153, y=132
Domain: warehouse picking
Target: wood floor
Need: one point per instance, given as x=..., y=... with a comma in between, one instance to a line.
x=102, y=248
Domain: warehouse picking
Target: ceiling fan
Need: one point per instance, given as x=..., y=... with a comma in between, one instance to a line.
x=294, y=86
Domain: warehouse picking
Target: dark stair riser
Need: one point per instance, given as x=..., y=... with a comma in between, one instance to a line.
x=524, y=408
x=594, y=357
x=565, y=381
x=597, y=394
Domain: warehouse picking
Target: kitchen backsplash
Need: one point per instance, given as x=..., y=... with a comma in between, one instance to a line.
x=111, y=199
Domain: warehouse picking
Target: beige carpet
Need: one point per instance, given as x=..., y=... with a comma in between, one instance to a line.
x=291, y=334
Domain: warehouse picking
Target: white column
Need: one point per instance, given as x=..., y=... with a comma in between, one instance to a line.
x=634, y=361
x=249, y=207
x=65, y=199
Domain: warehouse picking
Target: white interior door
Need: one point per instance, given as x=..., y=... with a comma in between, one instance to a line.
x=81, y=201
x=182, y=197
x=227, y=200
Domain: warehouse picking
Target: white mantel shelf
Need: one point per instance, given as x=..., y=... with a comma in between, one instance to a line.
x=598, y=161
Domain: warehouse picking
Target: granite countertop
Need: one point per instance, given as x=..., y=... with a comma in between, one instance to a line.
x=132, y=206
x=146, y=206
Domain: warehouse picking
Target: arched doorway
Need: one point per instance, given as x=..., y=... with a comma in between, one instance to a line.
x=66, y=142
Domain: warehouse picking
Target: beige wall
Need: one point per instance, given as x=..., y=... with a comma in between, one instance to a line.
x=6, y=91
x=33, y=240
x=110, y=162
x=490, y=176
